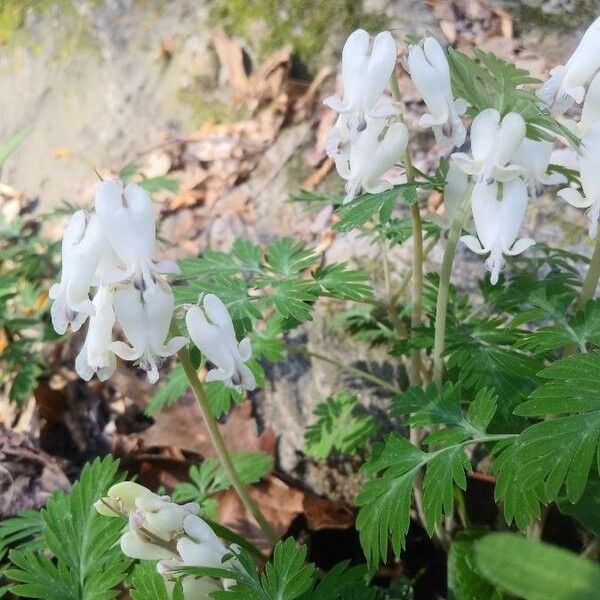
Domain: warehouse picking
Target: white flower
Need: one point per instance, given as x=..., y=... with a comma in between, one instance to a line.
x=590, y=112
x=368, y=158
x=567, y=82
x=82, y=248
x=145, y=318
x=365, y=73
x=95, y=355
x=493, y=145
x=211, y=330
x=173, y=534
x=534, y=157
x=589, y=172
x=430, y=73
x=498, y=223
x=128, y=221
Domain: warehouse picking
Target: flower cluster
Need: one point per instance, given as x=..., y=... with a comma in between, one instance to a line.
x=364, y=142
x=110, y=254
x=503, y=169
x=170, y=533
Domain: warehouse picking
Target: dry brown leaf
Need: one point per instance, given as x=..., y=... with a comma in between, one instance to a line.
x=279, y=503
x=231, y=57
x=318, y=175
x=62, y=152
x=322, y=513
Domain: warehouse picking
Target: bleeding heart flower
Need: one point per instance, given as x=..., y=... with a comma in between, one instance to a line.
x=589, y=172
x=497, y=223
x=211, y=330
x=567, y=82
x=128, y=221
x=430, y=73
x=366, y=70
x=370, y=156
x=145, y=318
x=533, y=157
x=494, y=143
x=83, y=245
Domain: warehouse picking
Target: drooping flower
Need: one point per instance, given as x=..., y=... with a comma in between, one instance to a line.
x=566, y=84
x=590, y=112
x=430, y=73
x=533, y=156
x=211, y=330
x=83, y=245
x=589, y=172
x=366, y=71
x=95, y=355
x=173, y=534
x=497, y=223
x=370, y=156
x=145, y=318
x=494, y=143
x=129, y=223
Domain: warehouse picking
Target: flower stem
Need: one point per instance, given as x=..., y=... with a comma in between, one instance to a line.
x=350, y=369
x=417, y=292
x=220, y=448
x=444, y=290
x=591, y=279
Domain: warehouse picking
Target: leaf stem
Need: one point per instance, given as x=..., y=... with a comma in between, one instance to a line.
x=444, y=289
x=343, y=367
x=221, y=449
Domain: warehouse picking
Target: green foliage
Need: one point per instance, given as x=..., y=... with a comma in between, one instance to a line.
x=147, y=583
x=385, y=501
x=559, y=451
x=22, y=530
x=87, y=563
x=209, y=478
x=13, y=143
x=339, y=427
x=172, y=388
x=27, y=264
x=464, y=581
x=587, y=508
x=487, y=81
x=285, y=576
x=362, y=209
x=534, y=570
x=150, y=184
x=250, y=280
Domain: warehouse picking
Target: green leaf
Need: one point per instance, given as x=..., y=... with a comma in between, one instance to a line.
x=221, y=397
x=561, y=450
x=287, y=257
x=385, y=501
x=360, y=210
x=147, y=583
x=89, y=564
x=344, y=283
x=25, y=382
x=13, y=143
x=464, y=581
x=23, y=530
x=285, y=577
x=157, y=184
x=128, y=171
x=535, y=570
x=209, y=478
x=338, y=427
x=587, y=509
x=342, y=582
x=173, y=387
